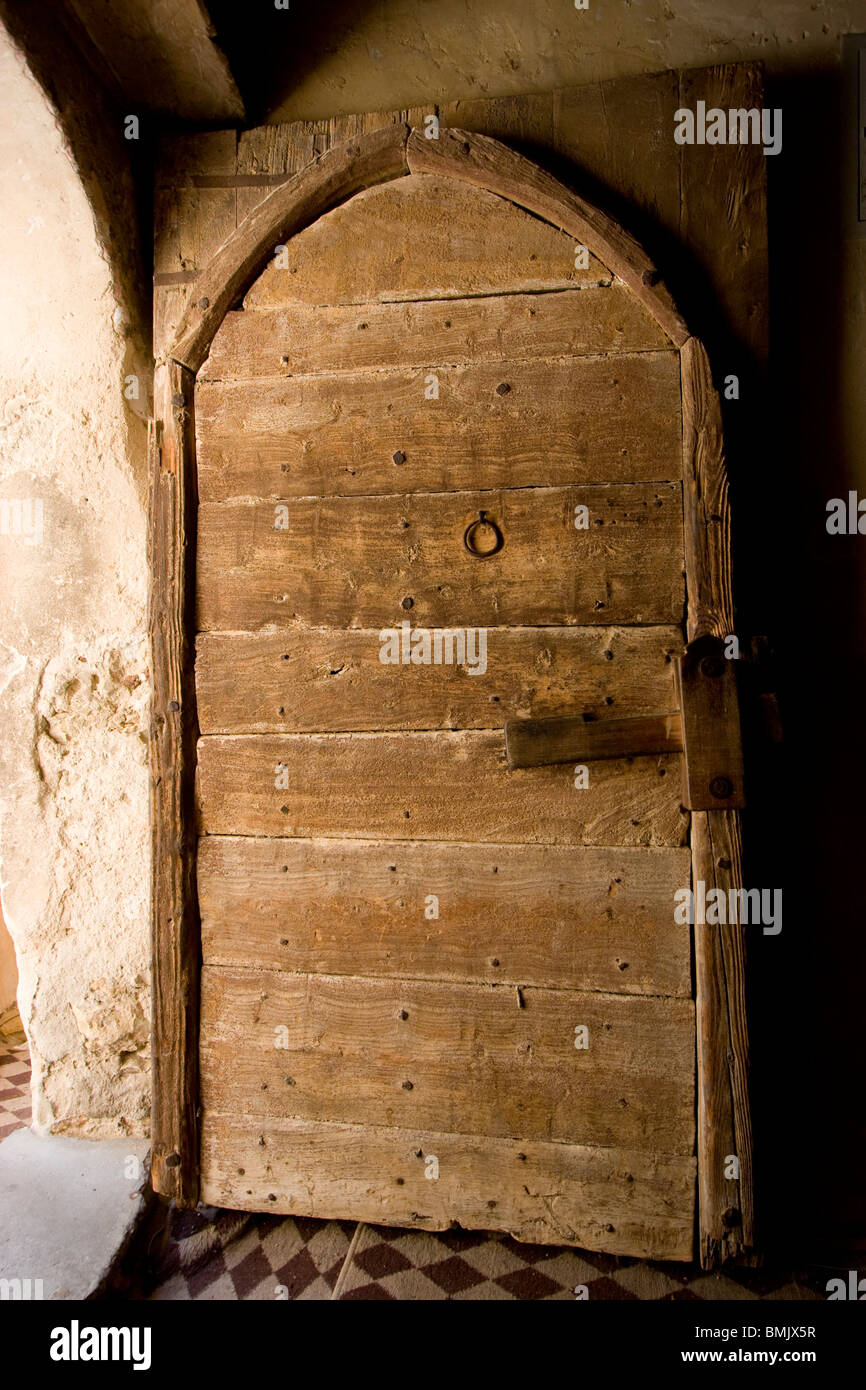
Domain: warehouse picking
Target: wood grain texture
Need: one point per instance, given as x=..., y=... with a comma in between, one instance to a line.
x=307, y=680
x=422, y=237
x=564, y=738
x=706, y=510
x=624, y=1201
x=713, y=778
x=731, y=265
x=518, y=120
x=172, y=742
x=304, y=338
x=724, y=204
x=320, y=186
x=726, y=1206
x=194, y=213
x=476, y=1063
x=564, y=918
x=432, y=786
x=564, y=420
x=352, y=561
x=480, y=160
x=620, y=133
x=276, y=152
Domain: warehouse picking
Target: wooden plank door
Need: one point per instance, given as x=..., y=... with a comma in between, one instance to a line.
x=435, y=990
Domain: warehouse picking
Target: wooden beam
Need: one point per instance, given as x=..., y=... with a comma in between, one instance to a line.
x=173, y=733
x=539, y=742
x=726, y=1204
x=708, y=698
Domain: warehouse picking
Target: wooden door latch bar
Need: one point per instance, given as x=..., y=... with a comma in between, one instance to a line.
x=706, y=730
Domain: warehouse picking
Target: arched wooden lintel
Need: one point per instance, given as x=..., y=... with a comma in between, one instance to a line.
x=725, y=1203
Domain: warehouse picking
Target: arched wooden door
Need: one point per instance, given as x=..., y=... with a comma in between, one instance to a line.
x=439, y=473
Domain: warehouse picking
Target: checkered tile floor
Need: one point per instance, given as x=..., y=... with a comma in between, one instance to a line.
x=221, y=1255
x=14, y=1087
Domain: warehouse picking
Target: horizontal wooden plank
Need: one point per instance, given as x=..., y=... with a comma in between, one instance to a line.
x=474, y=1061
x=429, y=786
x=326, y=680
x=369, y=562
x=422, y=237
x=567, y=918
x=560, y=421
x=620, y=1201
x=303, y=338
x=561, y=739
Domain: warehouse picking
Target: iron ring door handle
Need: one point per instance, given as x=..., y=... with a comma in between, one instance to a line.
x=469, y=537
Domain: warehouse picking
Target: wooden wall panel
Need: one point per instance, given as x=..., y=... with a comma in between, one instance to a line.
x=475, y=1061
x=434, y=786
x=624, y=1201
x=422, y=237
x=348, y=562
x=514, y=423
x=269, y=155
x=195, y=211
x=304, y=338
x=568, y=918
x=304, y=680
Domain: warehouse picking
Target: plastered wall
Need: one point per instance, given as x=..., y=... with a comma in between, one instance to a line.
x=73, y=668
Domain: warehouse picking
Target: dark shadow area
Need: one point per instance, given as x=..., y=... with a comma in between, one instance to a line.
x=807, y=984
x=272, y=51
x=800, y=588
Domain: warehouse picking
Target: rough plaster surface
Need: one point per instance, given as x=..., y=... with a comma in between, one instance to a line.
x=74, y=838
x=395, y=53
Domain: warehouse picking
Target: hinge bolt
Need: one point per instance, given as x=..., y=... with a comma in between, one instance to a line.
x=721, y=788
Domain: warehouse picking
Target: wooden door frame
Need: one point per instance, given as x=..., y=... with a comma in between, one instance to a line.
x=725, y=1204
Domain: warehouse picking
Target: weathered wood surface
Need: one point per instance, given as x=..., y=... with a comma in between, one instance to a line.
x=423, y=238
x=724, y=205
x=304, y=338
x=641, y=173
x=624, y=1201
x=562, y=738
x=308, y=680
x=271, y=154
x=194, y=213
x=708, y=200
x=726, y=1205
x=352, y=562
x=563, y=420
x=475, y=1061
x=713, y=777
x=622, y=127
x=590, y=919
x=172, y=749
x=430, y=786
x=320, y=186
x=480, y=160
x=706, y=509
